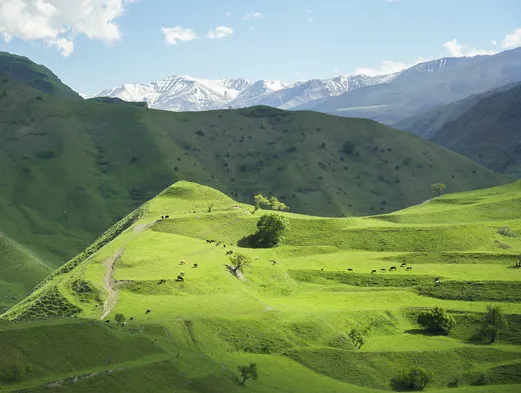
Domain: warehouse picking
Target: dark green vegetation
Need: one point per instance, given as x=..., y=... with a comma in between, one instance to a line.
x=425, y=86
x=22, y=69
x=427, y=124
x=60, y=161
x=306, y=316
x=117, y=101
x=489, y=132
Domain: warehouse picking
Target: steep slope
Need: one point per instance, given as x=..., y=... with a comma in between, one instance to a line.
x=24, y=70
x=427, y=124
x=425, y=86
x=292, y=318
x=20, y=271
x=71, y=169
x=489, y=132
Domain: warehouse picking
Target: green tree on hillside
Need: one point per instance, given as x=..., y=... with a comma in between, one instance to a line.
x=120, y=318
x=349, y=147
x=493, y=321
x=436, y=320
x=248, y=372
x=270, y=229
x=438, y=188
x=357, y=337
x=239, y=261
x=416, y=379
x=271, y=203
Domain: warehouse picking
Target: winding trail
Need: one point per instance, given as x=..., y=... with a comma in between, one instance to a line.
x=108, y=280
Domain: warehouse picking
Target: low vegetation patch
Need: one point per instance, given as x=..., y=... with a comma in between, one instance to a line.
x=362, y=280
x=507, y=291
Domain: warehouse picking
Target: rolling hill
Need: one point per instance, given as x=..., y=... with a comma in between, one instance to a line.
x=292, y=318
x=38, y=76
x=425, y=86
x=70, y=169
x=428, y=124
x=489, y=132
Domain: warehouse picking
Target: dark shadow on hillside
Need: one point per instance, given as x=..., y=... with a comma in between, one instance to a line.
x=423, y=332
x=251, y=241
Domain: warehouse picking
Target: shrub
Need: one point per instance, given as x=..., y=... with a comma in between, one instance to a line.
x=349, y=147
x=120, y=318
x=239, y=261
x=493, y=321
x=15, y=371
x=416, y=380
x=248, y=372
x=200, y=132
x=506, y=231
x=436, y=320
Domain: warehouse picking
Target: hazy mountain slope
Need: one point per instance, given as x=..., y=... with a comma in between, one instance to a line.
x=489, y=132
x=425, y=86
x=427, y=124
x=71, y=169
x=26, y=71
x=20, y=271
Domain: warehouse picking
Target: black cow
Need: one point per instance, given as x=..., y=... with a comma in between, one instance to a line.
x=383, y=269
x=162, y=217
x=182, y=263
x=229, y=252
x=167, y=216
x=408, y=268
x=161, y=282
x=403, y=264
x=392, y=268
x=131, y=318
x=373, y=271
x=195, y=265
x=108, y=320
x=148, y=311
x=180, y=279
x=349, y=270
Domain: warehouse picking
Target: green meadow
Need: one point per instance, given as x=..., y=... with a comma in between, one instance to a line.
x=292, y=318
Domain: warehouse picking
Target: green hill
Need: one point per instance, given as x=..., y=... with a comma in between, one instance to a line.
x=428, y=124
x=20, y=271
x=117, y=101
x=71, y=169
x=291, y=318
x=40, y=77
x=489, y=132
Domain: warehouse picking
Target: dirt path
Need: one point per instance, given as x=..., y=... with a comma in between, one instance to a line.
x=108, y=279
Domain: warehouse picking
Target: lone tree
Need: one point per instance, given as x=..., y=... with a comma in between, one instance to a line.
x=357, y=337
x=120, y=318
x=270, y=229
x=239, y=261
x=493, y=321
x=416, y=379
x=248, y=372
x=438, y=188
x=436, y=320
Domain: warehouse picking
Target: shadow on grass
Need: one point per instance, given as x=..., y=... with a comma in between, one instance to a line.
x=422, y=332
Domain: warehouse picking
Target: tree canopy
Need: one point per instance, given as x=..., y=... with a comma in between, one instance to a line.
x=270, y=229
x=436, y=320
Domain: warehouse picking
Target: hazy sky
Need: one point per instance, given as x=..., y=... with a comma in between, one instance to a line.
x=96, y=44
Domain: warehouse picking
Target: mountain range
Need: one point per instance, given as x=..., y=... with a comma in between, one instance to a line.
x=185, y=93
x=385, y=98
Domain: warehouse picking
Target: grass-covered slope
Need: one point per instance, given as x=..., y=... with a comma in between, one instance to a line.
x=428, y=124
x=291, y=318
x=35, y=75
x=20, y=271
x=489, y=132
x=70, y=169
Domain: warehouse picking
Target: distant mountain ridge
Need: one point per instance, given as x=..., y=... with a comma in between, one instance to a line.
x=185, y=93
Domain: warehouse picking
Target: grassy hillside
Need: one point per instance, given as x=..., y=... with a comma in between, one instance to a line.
x=425, y=86
x=70, y=169
x=118, y=101
x=428, y=124
x=489, y=132
x=291, y=318
x=20, y=271
x=40, y=77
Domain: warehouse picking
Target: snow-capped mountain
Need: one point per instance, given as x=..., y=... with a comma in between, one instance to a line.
x=185, y=93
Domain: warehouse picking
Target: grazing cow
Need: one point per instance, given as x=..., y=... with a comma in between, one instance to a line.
x=195, y=265
x=403, y=264
x=256, y=258
x=161, y=282
x=180, y=279
x=96, y=306
x=216, y=244
x=131, y=318
x=392, y=268
x=383, y=269
x=208, y=241
x=182, y=262
x=162, y=217
x=229, y=252
x=124, y=324
x=438, y=282
x=224, y=245
x=437, y=279
x=108, y=320
x=408, y=268
x=349, y=270
x=273, y=261
x=373, y=271
x=181, y=273
x=148, y=311
x=322, y=269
